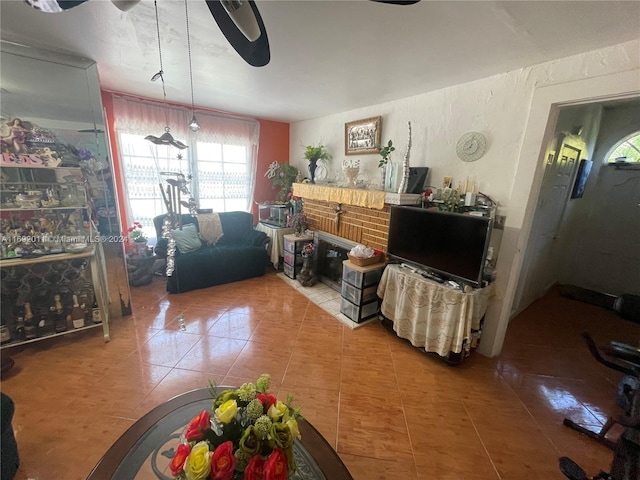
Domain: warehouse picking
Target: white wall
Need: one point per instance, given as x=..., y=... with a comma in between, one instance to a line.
x=602, y=230
x=512, y=111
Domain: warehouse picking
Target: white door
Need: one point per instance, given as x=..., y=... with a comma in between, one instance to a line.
x=554, y=193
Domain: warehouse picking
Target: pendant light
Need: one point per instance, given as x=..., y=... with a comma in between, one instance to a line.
x=166, y=138
x=193, y=124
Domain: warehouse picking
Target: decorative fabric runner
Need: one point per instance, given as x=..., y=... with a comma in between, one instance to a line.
x=210, y=227
x=346, y=196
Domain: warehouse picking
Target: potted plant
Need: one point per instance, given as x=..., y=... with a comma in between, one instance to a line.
x=298, y=221
x=284, y=176
x=137, y=238
x=313, y=154
x=385, y=153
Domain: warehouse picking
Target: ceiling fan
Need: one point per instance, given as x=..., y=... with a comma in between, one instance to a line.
x=239, y=21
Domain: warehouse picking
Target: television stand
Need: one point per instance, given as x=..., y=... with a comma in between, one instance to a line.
x=431, y=315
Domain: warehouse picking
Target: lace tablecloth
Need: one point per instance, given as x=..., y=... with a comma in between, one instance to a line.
x=430, y=314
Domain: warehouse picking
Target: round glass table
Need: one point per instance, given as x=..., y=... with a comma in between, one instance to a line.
x=146, y=448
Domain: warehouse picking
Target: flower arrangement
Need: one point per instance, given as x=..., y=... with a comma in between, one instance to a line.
x=136, y=233
x=250, y=436
x=308, y=249
x=298, y=221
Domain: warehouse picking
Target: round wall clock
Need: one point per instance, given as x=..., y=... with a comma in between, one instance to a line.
x=471, y=146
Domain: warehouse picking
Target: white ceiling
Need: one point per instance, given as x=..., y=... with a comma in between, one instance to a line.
x=327, y=56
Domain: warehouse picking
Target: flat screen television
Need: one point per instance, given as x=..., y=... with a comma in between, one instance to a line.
x=452, y=245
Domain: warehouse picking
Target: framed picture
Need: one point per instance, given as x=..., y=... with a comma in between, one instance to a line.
x=362, y=136
x=584, y=169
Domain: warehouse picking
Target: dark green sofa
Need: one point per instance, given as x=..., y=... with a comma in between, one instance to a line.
x=241, y=253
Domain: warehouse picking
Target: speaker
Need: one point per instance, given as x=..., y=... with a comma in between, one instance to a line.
x=417, y=179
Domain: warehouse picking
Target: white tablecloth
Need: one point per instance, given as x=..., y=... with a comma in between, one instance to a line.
x=430, y=314
x=276, y=234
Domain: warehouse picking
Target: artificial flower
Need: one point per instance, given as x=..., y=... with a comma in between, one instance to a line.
x=223, y=462
x=250, y=442
x=197, y=426
x=255, y=469
x=177, y=462
x=227, y=411
x=276, y=466
x=249, y=428
x=267, y=400
x=198, y=464
x=292, y=423
x=280, y=436
x=277, y=411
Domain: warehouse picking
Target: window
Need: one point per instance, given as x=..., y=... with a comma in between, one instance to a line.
x=221, y=159
x=142, y=163
x=222, y=176
x=626, y=150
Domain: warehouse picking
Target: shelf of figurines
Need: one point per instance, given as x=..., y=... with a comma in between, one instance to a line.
x=45, y=235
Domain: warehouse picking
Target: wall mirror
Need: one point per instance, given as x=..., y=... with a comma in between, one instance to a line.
x=60, y=94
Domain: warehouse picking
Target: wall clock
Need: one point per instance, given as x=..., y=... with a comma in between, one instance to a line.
x=471, y=146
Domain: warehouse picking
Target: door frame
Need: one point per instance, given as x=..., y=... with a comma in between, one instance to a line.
x=543, y=116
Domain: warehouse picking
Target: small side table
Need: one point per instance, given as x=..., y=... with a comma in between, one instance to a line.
x=140, y=269
x=276, y=234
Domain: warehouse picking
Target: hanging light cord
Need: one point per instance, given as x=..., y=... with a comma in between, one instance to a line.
x=161, y=72
x=186, y=12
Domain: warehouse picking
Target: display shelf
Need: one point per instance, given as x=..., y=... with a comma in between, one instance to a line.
x=40, y=209
x=58, y=334
x=53, y=257
x=77, y=225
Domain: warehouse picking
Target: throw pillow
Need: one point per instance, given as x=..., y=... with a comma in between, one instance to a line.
x=187, y=239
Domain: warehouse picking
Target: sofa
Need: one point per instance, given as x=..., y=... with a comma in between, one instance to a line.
x=200, y=262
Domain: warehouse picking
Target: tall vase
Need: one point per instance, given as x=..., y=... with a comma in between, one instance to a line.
x=404, y=183
x=312, y=170
x=383, y=177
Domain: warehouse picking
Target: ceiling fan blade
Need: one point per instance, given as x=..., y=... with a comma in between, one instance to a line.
x=241, y=24
x=397, y=2
x=54, y=6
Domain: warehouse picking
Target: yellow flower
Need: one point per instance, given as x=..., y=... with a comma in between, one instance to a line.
x=198, y=464
x=278, y=410
x=227, y=411
x=292, y=423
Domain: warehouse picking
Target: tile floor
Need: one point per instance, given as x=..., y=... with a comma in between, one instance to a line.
x=390, y=411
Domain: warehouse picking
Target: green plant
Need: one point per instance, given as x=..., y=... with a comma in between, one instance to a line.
x=313, y=153
x=385, y=153
x=284, y=177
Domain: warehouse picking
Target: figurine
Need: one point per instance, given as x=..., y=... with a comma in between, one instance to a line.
x=14, y=137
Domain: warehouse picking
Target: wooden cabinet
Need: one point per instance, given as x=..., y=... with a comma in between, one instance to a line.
x=359, y=284
x=293, y=254
x=51, y=256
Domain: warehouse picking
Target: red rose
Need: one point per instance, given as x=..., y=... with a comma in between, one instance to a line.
x=267, y=400
x=223, y=462
x=255, y=469
x=200, y=423
x=177, y=462
x=276, y=466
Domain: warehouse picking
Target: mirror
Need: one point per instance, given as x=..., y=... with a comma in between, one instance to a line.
x=59, y=97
